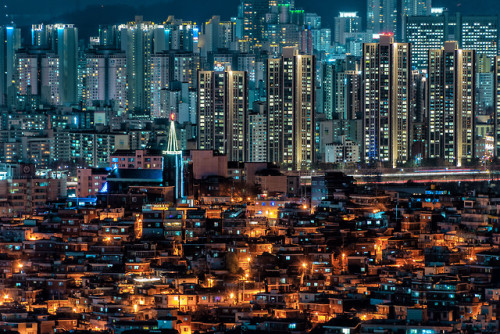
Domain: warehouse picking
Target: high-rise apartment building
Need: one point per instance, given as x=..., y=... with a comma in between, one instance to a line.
x=254, y=12
x=160, y=80
x=257, y=133
x=67, y=50
x=61, y=39
x=37, y=79
x=117, y=78
x=86, y=148
x=479, y=33
x=50, y=80
x=179, y=35
x=137, y=42
x=27, y=78
x=386, y=101
x=183, y=67
x=411, y=8
x=418, y=115
x=106, y=79
x=416, y=7
x=217, y=34
x=496, y=105
x=222, y=112
x=341, y=83
x=10, y=42
x=424, y=33
x=345, y=23
x=167, y=67
x=312, y=20
x=109, y=37
x=179, y=100
x=382, y=15
x=291, y=109
x=451, y=104
x=484, y=85
x=322, y=39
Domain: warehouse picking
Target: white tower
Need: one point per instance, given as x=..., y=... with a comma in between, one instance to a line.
x=174, y=170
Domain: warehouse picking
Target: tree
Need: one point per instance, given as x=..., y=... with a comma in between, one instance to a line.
x=232, y=264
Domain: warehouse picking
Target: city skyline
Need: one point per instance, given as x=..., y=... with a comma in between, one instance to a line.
x=249, y=167
x=32, y=11
x=353, y=94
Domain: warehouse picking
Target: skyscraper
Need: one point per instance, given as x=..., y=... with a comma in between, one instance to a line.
x=217, y=35
x=180, y=35
x=222, y=112
x=166, y=67
x=108, y=36
x=50, y=80
x=160, y=80
x=484, y=84
x=479, y=33
x=37, y=79
x=322, y=39
x=10, y=43
x=291, y=108
x=386, y=101
x=117, y=81
x=254, y=12
x=416, y=7
x=346, y=22
x=418, y=114
x=27, y=79
x=451, y=102
x=184, y=66
x=137, y=42
x=61, y=39
x=67, y=50
x=257, y=133
x=382, y=15
x=105, y=79
x=424, y=33
x=496, y=105
x=341, y=85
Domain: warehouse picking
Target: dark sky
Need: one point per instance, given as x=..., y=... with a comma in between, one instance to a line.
x=92, y=12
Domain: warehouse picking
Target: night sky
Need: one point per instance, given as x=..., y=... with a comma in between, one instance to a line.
x=86, y=14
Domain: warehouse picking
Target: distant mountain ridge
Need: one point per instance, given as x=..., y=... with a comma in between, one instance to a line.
x=109, y=12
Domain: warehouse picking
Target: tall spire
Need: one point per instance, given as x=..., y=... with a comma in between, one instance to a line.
x=172, y=147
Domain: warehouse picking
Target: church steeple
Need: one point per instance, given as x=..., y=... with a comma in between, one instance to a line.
x=172, y=146
x=173, y=169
